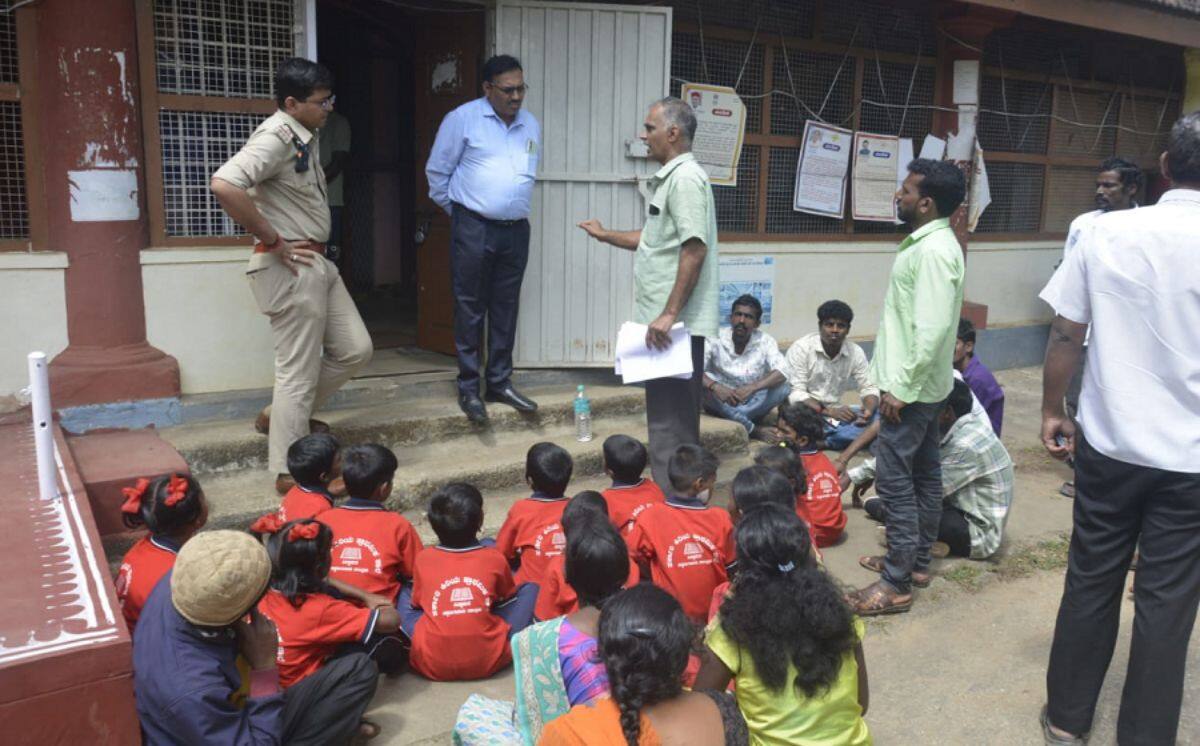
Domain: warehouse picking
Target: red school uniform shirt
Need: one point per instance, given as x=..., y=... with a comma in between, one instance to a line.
x=557, y=598
x=304, y=502
x=373, y=547
x=142, y=567
x=458, y=637
x=311, y=632
x=821, y=507
x=689, y=548
x=533, y=532
x=627, y=501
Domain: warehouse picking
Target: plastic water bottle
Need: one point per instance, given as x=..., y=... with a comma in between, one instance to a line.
x=583, y=416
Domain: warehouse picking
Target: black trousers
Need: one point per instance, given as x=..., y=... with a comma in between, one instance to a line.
x=326, y=707
x=1118, y=507
x=487, y=265
x=673, y=414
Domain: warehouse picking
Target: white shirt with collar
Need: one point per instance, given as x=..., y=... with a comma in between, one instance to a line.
x=815, y=375
x=1135, y=275
x=484, y=164
x=758, y=359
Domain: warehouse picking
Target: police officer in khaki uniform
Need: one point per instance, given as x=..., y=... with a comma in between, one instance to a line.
x=274, y=187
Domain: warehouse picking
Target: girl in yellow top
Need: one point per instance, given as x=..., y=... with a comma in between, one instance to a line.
x=787, y=638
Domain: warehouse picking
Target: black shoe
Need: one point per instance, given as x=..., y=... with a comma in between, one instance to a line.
x=510, y=396
x=473, y=407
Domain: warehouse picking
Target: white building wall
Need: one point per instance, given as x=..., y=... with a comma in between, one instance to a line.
x=33, y=304
x=199, y=309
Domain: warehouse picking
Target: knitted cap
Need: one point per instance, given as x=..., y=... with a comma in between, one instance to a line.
x=218, y=576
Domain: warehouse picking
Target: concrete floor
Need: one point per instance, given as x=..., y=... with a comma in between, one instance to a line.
x=966, y=666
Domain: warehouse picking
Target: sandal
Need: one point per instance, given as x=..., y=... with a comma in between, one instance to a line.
x=1053, y=739
x=877, y=599
x=1067, y=489
x=875, y=564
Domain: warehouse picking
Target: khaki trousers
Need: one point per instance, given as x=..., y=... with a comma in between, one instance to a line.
x=320, y=342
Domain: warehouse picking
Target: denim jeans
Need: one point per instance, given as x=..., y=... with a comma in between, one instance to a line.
x=838, y=436
x=909, y=480
x=763, y=401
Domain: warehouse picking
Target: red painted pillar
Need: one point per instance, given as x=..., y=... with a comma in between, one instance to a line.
x=92, y=157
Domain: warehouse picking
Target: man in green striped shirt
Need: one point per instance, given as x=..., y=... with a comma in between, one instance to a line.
x=913, y=366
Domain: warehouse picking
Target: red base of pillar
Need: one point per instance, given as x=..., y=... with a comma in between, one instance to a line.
x=977, y=313
x=97, y=375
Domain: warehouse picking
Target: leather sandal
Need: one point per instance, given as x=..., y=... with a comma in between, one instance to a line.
x=875, y=564
x=877, y=599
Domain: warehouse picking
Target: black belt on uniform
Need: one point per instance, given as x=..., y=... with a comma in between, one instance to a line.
x=489, y=221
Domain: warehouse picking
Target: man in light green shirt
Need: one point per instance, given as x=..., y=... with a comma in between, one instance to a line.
x=913, y=366
x=675, y=273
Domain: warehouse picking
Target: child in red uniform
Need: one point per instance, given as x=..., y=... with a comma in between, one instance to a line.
x=687, y=545
x=630, y=494
x=556, y=597
x=373, y=548
x=310, y=620
x=532, y=535
x=821, y=506
x=313, y=463
x=464, y=604
x=172, y=508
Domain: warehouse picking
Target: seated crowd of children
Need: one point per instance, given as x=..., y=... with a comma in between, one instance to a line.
x=599, y=601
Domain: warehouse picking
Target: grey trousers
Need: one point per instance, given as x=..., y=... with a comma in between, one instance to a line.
x=326, y=706
x=908, y=479
x=673, y=414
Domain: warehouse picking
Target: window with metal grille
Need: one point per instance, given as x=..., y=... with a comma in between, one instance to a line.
x=820, y=85
x=1070, y=191
x=1015, y=116
x=1016, y=198
x=892, y=25
x=737, y=206
x=789, y=17
x=892, y=86
x=720, y=62
x=14, y=204
x=213, y=78
x=781, y=182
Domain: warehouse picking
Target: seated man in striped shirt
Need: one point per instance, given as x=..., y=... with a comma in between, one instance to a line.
x=977, y=477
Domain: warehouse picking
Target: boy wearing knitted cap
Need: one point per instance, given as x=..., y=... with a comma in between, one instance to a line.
x=189, y=636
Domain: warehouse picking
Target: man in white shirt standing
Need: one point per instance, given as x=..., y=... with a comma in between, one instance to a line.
x=1119, y=185
x=1135, y=274
x=824, y=365
x=481, y=171
x=744, y=372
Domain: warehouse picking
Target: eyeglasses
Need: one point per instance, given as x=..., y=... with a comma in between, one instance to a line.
x=511, y=90
x=325, y=103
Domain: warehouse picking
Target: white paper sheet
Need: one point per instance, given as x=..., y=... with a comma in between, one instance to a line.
x=906, y=157
x=821, y=170
x=876, y=166
x=635, y=362
x=933, y=148
x=981, y=191
x=720, y=129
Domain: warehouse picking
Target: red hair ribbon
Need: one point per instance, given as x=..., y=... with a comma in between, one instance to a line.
x=304, y=531
x=176, y=490
x=133, y=497
x=267, y=524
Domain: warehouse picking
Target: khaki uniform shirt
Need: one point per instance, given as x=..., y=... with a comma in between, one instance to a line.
x=681, y=208
x=293, y=202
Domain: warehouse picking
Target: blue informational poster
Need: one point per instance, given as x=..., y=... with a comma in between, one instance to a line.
x=747, y=275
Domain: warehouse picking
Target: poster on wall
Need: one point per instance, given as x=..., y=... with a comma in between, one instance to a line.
x=821, y=170
x=876, y=166
x=720, y=129
x=747, y=275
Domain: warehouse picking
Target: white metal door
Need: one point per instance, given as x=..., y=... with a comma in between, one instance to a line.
x=592, y=70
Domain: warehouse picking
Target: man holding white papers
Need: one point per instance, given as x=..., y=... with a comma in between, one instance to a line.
x=675, y=273
x=745, y=375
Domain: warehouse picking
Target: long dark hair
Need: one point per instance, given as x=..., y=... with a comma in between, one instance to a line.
x=597, y=561
x=782, y=608
x=300, y=558
x=644, y=643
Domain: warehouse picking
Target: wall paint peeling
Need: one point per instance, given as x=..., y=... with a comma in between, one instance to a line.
x=93, y=76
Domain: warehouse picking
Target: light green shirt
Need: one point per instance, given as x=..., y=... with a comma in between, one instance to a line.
x=681, y=208
x=914, y=350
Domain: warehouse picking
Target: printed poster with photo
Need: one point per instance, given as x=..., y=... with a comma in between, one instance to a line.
x=720, y=129
x=746, y=275
x=821, y=170
x=876, y=169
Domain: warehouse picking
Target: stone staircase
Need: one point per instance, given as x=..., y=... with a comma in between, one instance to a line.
x=435, y=445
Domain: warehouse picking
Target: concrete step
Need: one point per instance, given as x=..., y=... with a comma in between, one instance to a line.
x=233, y=444
x=492, y=461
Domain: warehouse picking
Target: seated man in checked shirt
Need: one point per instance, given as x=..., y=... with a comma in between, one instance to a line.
x=745, y=375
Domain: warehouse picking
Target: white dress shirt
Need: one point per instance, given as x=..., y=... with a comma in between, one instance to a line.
x=1135, y=275
x=726, y=367
x=484, y=164
x=815, y=375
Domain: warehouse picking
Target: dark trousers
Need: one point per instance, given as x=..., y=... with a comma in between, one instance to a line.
x=673, y=414
x=908, y=478
x=1118, y=507
x=487, y=264
x=953, y=530
x=326, y=706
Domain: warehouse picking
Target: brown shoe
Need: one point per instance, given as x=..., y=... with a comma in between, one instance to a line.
x=875, y=564
x=262, y=423
x=877, y=599
x=283, y=483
